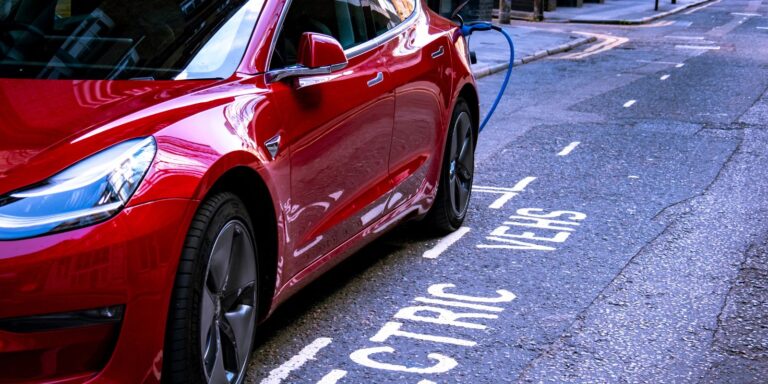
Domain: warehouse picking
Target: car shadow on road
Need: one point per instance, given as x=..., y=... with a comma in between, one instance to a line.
x=404, y=236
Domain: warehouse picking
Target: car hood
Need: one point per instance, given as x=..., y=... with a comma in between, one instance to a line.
x=44, y=124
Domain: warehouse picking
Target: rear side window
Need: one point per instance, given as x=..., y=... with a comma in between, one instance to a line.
x=343, y=19
x=387, y=14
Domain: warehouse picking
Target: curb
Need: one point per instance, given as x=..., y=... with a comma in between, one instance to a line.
x=490, y=69
x=644, y=20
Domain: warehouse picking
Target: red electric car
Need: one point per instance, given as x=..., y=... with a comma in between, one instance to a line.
x=172, y=170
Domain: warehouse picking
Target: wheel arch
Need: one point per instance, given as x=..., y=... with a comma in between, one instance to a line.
x=250, y=187
x=469, y=93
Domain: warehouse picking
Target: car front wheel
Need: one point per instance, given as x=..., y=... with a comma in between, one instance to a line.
x=212, y=318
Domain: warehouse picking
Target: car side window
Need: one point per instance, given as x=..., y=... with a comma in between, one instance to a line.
x=342, y=19
x=387, y=14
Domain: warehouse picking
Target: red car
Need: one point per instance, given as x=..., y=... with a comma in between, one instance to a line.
x=173, y=170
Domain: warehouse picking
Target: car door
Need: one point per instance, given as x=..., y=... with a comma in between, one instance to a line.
x=420, y=67
x=339, y=131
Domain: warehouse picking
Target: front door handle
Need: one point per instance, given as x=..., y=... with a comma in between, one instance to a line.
x=378, y=79
x=438, y=53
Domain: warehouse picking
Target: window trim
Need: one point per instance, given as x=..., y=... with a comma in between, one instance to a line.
x=352, y=52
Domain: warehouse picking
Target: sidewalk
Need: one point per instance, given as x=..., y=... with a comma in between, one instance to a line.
x=531, y=44
x=619, y=11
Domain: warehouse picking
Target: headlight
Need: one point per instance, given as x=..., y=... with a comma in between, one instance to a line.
x=88, y=192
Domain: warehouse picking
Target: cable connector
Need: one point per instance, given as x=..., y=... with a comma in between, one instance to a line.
x=468, y=28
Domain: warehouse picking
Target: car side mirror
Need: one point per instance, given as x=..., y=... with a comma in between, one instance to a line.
x=318, y=51
x=318, y=54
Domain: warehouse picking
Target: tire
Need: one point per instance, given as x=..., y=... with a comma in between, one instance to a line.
x=213, y=311
x=456, y=174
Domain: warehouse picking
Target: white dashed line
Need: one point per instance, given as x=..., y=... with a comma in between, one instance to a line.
x=685, y=37
x=705, y=47
x=277, y=375
x=333, y=377
x=569, y=148
x=664, y=77
x=762, y=27
x=445, y=243
x=679, y=65
x=630, y=103
x=660, y=62
x=745, y=14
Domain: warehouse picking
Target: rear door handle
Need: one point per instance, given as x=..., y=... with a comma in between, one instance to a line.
x=438, y=53
x=378, y=79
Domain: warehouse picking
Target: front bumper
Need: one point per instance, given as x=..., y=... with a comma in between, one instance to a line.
x=127, y=262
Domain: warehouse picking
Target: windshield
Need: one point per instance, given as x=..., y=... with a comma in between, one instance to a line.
x=124, y=39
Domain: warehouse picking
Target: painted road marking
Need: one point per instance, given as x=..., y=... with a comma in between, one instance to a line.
x=702, y=7
x=685, y=37
x=704, y=47
x=607, y=42
x=520, y=186
x=762, y=27
x=277, y=375
x=376, y=357
x=664, y=77
x=745, y=14
x=692, y=39
x=664, y=23
x=333, y=377
x=630, y=103
x=564, y=222
x=677, y=65
x=569, y=148
x=506, y=193
x=445, y=243
x=458, y=304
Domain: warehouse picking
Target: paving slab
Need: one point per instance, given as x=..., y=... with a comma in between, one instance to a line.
x=619, y=11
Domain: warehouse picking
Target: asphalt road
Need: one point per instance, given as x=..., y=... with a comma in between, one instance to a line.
x=618, y=231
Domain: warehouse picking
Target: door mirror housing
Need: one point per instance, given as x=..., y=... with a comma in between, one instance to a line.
x=318, y=54
x=317, y=50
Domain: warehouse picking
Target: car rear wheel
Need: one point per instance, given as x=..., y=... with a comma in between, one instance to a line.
x=213, y=311
x=457, y=173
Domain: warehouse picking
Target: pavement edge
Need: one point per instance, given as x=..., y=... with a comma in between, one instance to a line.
x=487, y=70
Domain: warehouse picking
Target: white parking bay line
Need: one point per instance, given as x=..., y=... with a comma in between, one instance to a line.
x=630, y=103
x=277, y=375
x=664, y=77
x=569, y=148
x=520, y=186
x=506, y=193
x=703, y=47
x=445, y=243
x=333, y=377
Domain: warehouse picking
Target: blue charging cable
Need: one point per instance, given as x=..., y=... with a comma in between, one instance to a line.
x=467, y=29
